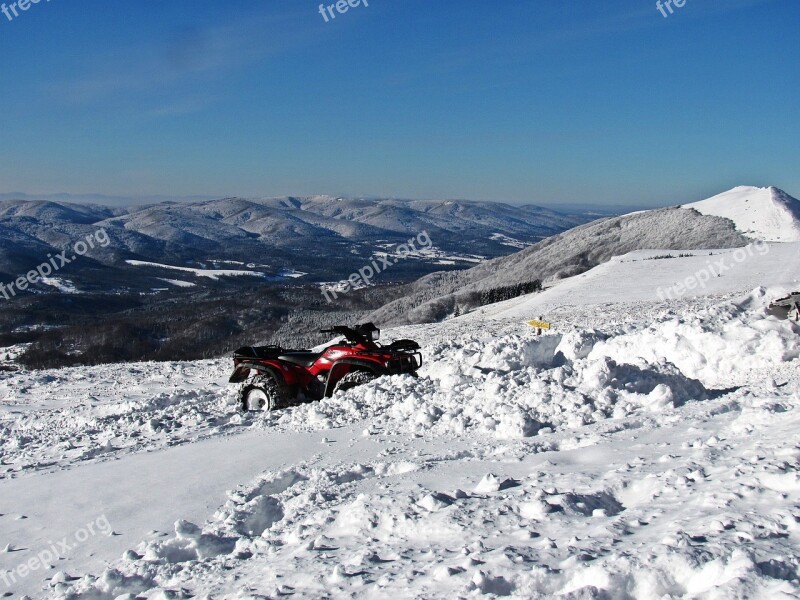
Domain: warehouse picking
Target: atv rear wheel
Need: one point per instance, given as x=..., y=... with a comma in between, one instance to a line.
x=353, y=379
x=261, y=393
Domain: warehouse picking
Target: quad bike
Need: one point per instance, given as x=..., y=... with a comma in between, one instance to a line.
x=273, y=377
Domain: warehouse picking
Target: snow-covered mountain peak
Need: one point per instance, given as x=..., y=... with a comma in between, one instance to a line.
x=768, y=213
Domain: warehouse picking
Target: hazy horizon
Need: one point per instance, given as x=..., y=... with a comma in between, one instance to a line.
x=131, y=201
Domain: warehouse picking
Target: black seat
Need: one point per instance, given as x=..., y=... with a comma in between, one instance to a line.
x=259, y=352
x=301, y=359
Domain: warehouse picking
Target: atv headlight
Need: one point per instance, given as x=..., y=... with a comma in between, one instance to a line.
x=376, y=335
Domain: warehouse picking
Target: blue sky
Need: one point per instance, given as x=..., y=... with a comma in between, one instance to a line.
x=521, y=101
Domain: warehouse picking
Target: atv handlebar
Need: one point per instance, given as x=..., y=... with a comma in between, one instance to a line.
x=360, y=333
x=339, y=330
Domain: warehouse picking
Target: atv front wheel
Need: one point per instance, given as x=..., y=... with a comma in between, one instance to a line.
x=353, y=379
x=263, y=393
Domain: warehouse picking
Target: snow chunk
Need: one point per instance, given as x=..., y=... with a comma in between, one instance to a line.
x=491, y=483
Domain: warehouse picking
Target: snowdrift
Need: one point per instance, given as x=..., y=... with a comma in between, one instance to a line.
x=516, y=385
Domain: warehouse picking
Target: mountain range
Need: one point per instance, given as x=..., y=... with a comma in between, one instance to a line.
x=319, y=238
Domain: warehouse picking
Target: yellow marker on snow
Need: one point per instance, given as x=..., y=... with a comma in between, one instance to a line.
x=539, y=324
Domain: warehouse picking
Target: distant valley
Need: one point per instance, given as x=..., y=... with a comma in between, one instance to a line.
x=316, y=239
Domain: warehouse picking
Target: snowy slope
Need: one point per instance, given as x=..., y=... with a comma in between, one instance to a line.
x=655, y=275
x=767, y=214
x=728, y=220
x=575, y=251
x=643, y=449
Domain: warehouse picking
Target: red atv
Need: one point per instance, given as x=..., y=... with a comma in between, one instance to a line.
x=274, y=377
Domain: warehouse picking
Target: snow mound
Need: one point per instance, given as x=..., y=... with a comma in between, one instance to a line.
x=767, y=214
x=520, y=385
x=726, y=344
x=513, y=387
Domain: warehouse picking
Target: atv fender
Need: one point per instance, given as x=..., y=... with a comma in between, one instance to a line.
x=339, y=367
x=242, y=372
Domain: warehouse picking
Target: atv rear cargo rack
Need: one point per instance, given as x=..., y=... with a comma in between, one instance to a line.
x=404, y=363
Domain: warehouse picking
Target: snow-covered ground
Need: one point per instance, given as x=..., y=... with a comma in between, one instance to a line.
x=509, y=241
x=209, y=273
x=650, y=276
x=646, y=447
x=65, y=286
x=179, y=283
x=429, y=254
